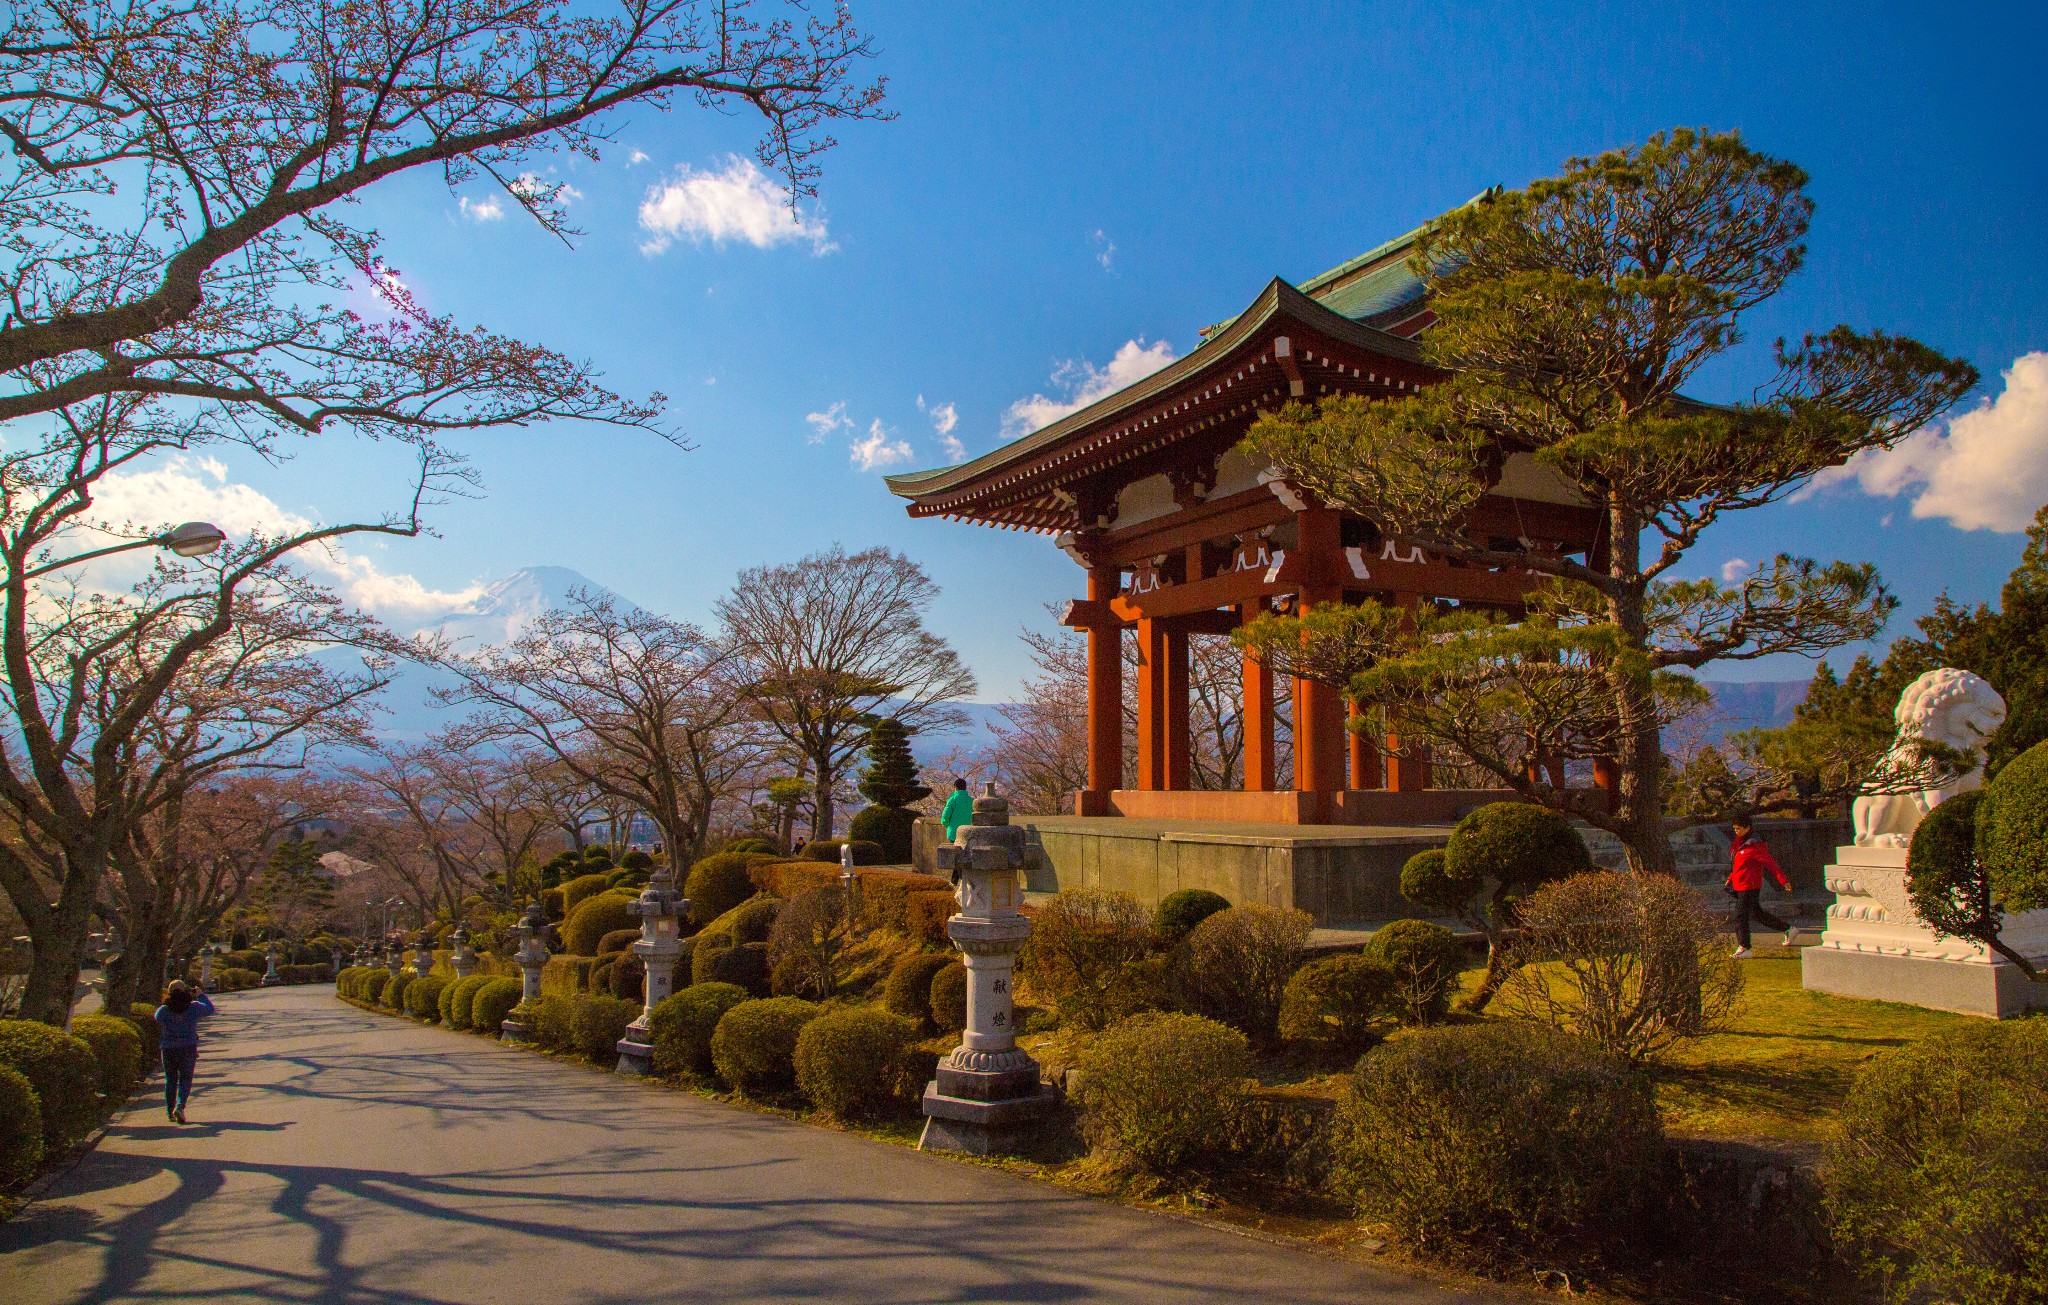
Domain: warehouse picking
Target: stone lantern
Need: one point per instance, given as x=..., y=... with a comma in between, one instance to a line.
x=660, y=908
x=532, y=933
x=338, y=961
x=987, y=1094
x=206, y=955
x=394, y=955
x=422, y=952
x=463, y=958
x=271, y=978
x=849, y=884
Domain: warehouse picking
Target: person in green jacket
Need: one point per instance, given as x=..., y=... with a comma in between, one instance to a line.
x=959, y=809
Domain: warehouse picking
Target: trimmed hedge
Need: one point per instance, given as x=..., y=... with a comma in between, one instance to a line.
x=888, y=828
x=908, y=991
x=827, y=849
x=595, y=917
x=1489, y=1144
x=567, y=975
x=394, y=991
x=373, y=985
x=1337, y=1001
x=493, y=1001
x=849, y=1061
x=596, y=1024
x=1179, y=912
x=423, y=998
x=235, y=979
x=682, y=1026
x=583, y=887
x=21, y=1128
x=925, y=912
x=1160, y=1088
x=116, y=1050
x=144, y=1019
x=718, y=883
x=460, y=1000
x=1237, y=963
x=754, y=1046
x=948, y=997
x=553, y=1021
x=63, y=1073
x=618, y=940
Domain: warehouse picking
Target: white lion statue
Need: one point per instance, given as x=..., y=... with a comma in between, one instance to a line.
x=1949, y=706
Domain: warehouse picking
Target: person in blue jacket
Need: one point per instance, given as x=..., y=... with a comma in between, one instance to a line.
x=959, y=809
x=177, y=1022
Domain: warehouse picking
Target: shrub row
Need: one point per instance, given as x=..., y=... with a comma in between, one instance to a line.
x=55, y=1087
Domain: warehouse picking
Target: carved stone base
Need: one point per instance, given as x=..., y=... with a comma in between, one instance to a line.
x=512, y=1029
x=636, y=1059
x=1875, y=946
x=982, y=1127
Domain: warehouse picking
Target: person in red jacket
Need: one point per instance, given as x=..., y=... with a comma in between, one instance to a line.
x=1753, y=861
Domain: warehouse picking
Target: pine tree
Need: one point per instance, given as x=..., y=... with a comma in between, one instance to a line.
x=891, y=776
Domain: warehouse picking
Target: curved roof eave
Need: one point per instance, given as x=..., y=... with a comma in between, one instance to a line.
x=1278, y=299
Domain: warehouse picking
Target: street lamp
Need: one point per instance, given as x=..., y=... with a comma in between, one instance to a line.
x=192, y=539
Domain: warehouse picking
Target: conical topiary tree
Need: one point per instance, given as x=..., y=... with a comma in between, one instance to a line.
x=890, y=783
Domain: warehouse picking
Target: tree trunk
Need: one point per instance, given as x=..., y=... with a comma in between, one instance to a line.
x=1638, y=743
x=52, y=983
x=821, y=802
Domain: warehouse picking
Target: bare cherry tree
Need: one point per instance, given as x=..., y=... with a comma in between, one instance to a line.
x=638, y=707
x=828, y=643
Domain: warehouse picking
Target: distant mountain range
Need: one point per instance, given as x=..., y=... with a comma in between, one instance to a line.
x=507, y=607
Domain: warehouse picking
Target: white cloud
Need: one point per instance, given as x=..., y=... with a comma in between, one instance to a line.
x=1734, y=569
x=1084, y=383
x=878, y=450
x=955, y=450
x=635, y=157
x=1105, y=250
x=737, y=203
x=824, y=423
x=1988, y=470
x=944, y=415
x=197, y=489
x=487, y=209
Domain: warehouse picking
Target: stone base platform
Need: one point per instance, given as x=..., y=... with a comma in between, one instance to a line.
x=636, y=1059
x=1336, y=873
x=1968, y=987
x=971, y=1127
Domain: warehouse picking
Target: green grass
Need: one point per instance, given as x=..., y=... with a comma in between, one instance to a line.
x=1782, y=1067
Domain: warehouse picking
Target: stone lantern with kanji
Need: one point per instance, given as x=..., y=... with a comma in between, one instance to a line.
x=987, y=1094
x=660, y=908
x=463, y=958
x=422, y=952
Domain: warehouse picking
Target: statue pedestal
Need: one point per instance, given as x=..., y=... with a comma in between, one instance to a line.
x=1876, y=947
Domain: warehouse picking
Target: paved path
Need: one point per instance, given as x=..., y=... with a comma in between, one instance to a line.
x=339, y=1156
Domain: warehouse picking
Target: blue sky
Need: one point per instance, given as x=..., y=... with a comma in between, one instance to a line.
x=1065, y=182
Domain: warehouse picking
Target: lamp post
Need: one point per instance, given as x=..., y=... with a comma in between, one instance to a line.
x=463, y=958
x=987, y=1092
x=659, y=907
x=532, y=955
x=192, y=539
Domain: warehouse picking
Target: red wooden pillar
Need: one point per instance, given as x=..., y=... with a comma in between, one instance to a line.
x=1607, y=778
x=1151, y=705
x=1258, y=712
x=1105, y=699
x=1178, y=776
x=1366, y=771
x=1318, y=708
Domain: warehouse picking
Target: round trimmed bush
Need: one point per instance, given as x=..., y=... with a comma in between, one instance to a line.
x=597, y=1023
x=683, y=1024
x=372, y=988
x=2012, y=832
x=63, y=1073
x=888, y=828
x=848, y=1061
x=1425, y=959
x=461, y=999
x=617, y=940
x=423, y=998
x=718, y=883
x=908, y=991
x=554, y=1023
x=1179, y=912
x=1234, y=966
x=754, y=1046
x=493, y=1001
x=394, y=991
x=116, y=1049
x=233, y=979
x=1338, y=1001
x=1486, y=1144
x=581, y=889
x=753, y=844
x=21, y=1128
x=754, y=922
x=827, y=849
x=1938, y=1178
x=745, y=965
x=1515, y=843
x=948, y=997
x=1160, y=1087
x=552, y=904
x=595, y=917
